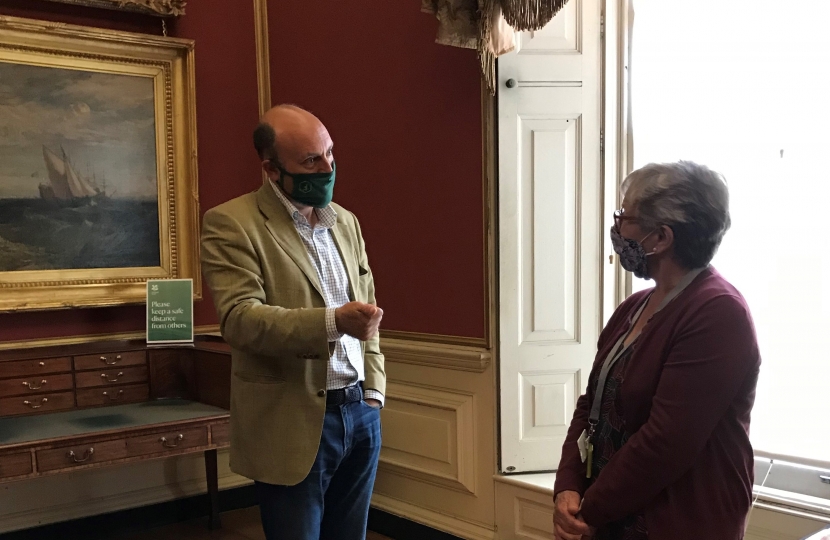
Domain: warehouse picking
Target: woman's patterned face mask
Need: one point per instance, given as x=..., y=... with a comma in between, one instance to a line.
x=633, y=257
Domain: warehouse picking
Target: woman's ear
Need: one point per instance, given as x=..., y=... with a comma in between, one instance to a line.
x=665, y=239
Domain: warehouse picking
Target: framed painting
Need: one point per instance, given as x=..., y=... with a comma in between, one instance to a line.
x=98, y=180
x=160, y=8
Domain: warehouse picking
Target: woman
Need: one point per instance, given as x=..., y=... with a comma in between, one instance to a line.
x=659, y=445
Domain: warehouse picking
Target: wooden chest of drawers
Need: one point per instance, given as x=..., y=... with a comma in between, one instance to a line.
x=39, y=403
x=92, y=397
x=12, y=465
x=109, y=360
x=73, y=407
x=54, y=384
x=80, y=454
x=33, y=368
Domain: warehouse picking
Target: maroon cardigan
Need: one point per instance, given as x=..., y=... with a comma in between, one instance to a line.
x=687, y=396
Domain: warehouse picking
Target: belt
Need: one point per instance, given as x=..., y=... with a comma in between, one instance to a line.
x=341, y=396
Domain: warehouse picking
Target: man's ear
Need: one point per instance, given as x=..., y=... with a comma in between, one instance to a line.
x=271, y=169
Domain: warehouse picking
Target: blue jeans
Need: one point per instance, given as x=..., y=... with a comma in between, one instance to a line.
x=332, y=503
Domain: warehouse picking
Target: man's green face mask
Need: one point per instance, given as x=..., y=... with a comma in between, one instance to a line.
x=311, y=189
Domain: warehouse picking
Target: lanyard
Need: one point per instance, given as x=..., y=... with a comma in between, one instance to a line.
x=618, y=351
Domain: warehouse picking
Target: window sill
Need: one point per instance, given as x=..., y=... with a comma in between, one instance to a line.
x=768, y=498
x=538, y=482
x=791, y=503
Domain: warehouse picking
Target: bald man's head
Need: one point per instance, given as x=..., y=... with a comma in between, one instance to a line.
x=286, y=125
x=290, y=140
x=265, y=134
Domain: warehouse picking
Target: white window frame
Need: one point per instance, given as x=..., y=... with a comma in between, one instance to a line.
x=782, y=483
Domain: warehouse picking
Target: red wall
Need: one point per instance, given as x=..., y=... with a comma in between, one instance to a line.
x=405, y=117
x=227, y=110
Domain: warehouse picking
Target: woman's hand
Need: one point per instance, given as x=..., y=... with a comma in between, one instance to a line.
x=567, y=525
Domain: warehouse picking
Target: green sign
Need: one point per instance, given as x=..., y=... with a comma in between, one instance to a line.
x=169, y=311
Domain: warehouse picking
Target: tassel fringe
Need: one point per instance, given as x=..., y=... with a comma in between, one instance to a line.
x=530, y=15
x=486, y=56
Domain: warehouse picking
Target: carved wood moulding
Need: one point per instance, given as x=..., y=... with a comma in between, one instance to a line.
x=159, y=8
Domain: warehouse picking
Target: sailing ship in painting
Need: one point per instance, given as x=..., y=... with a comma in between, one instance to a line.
x=65, y=184
x=75, y=223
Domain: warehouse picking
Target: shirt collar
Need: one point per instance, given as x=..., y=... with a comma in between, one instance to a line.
x=327, y=216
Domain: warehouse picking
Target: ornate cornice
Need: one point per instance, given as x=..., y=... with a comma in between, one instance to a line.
x=160, y=8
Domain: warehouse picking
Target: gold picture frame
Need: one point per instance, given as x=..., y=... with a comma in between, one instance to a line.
x=159, y=8
x=98, y=175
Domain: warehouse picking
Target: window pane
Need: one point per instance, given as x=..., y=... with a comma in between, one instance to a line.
x=743, y=87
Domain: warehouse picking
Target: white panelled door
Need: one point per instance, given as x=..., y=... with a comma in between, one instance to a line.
x=550, y=244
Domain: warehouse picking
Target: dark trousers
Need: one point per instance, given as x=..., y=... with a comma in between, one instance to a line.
x=332, y=503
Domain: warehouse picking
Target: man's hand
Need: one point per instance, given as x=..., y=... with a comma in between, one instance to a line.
x=372, y=403
x=358, y=320
x=567, y=525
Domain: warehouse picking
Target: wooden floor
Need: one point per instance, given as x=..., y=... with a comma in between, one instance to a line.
x=236, y=525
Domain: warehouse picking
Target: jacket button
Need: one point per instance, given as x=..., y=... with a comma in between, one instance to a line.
x=321, y=393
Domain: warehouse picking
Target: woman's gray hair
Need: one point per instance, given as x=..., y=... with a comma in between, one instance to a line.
x=692, y=199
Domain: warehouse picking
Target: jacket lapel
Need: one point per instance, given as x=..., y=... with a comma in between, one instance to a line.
x=281, y=226
x=347, y=251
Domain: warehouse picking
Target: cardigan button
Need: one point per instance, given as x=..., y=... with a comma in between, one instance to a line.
x=321, y=393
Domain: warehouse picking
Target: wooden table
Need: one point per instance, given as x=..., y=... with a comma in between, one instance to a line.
x=106, y=403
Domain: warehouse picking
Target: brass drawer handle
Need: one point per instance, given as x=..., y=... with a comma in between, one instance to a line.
x=115, y=397
x=171, y=444
x=104, y=376
x=31, y=386
x=32, y=404
x=87, y=454
x=106, y=360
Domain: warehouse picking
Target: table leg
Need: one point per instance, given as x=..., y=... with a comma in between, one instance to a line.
x=212, y=473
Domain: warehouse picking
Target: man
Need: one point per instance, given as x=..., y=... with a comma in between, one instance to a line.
x=295, y=298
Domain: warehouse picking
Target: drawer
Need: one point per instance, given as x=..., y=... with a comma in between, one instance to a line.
x=109, y=360
x=167, y=441
x=108, y=377
x=80, y=454
x=112, y=395
x=15, y=465
x=37, y=403
x=35, y=385
x=220, y=434
x=23, y=368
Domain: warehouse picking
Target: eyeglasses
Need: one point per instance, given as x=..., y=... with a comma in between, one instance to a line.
x=619, y=217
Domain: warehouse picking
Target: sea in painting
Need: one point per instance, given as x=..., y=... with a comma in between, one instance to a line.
x=78, y=180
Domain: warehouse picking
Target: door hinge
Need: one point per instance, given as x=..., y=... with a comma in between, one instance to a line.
x=602, y=25
x=601, y=140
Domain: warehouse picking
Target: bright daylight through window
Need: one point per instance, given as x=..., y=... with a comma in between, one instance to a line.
x=744, y=87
